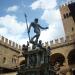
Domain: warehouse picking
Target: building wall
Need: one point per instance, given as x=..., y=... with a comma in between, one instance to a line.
x=9, y=52
x=68, y=19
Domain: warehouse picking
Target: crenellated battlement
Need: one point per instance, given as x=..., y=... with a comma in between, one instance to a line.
x=61, y=41
x=57, y=41
x=4, y=41
x=52, y=43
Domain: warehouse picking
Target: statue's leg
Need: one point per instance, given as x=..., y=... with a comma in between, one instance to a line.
x=32, y=39
x=37, y=37
x=36, y=40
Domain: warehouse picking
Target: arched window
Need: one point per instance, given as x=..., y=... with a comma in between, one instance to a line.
x=64, y=16
x=67, y=15
x=57, y=57
x=72, y=29
x=4, y=59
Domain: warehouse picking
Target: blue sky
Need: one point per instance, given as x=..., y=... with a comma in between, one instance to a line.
x=12, y=20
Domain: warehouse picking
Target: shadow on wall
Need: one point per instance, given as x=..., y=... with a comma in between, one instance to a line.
x=71, y=57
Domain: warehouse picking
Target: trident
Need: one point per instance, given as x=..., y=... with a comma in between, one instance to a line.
x=27, y=26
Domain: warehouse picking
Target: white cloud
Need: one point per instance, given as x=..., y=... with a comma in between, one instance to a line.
x=46, y=35
x=51, y=16
x=44, y=4
x=55, y=31
x=23, y=41
x=11, y=23
x=3, y=30
x=12, y=29
x=12, y=8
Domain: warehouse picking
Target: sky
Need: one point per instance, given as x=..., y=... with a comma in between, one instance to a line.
x=13, y=22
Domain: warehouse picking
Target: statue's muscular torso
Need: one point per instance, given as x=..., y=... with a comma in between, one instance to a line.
x=36, y=27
